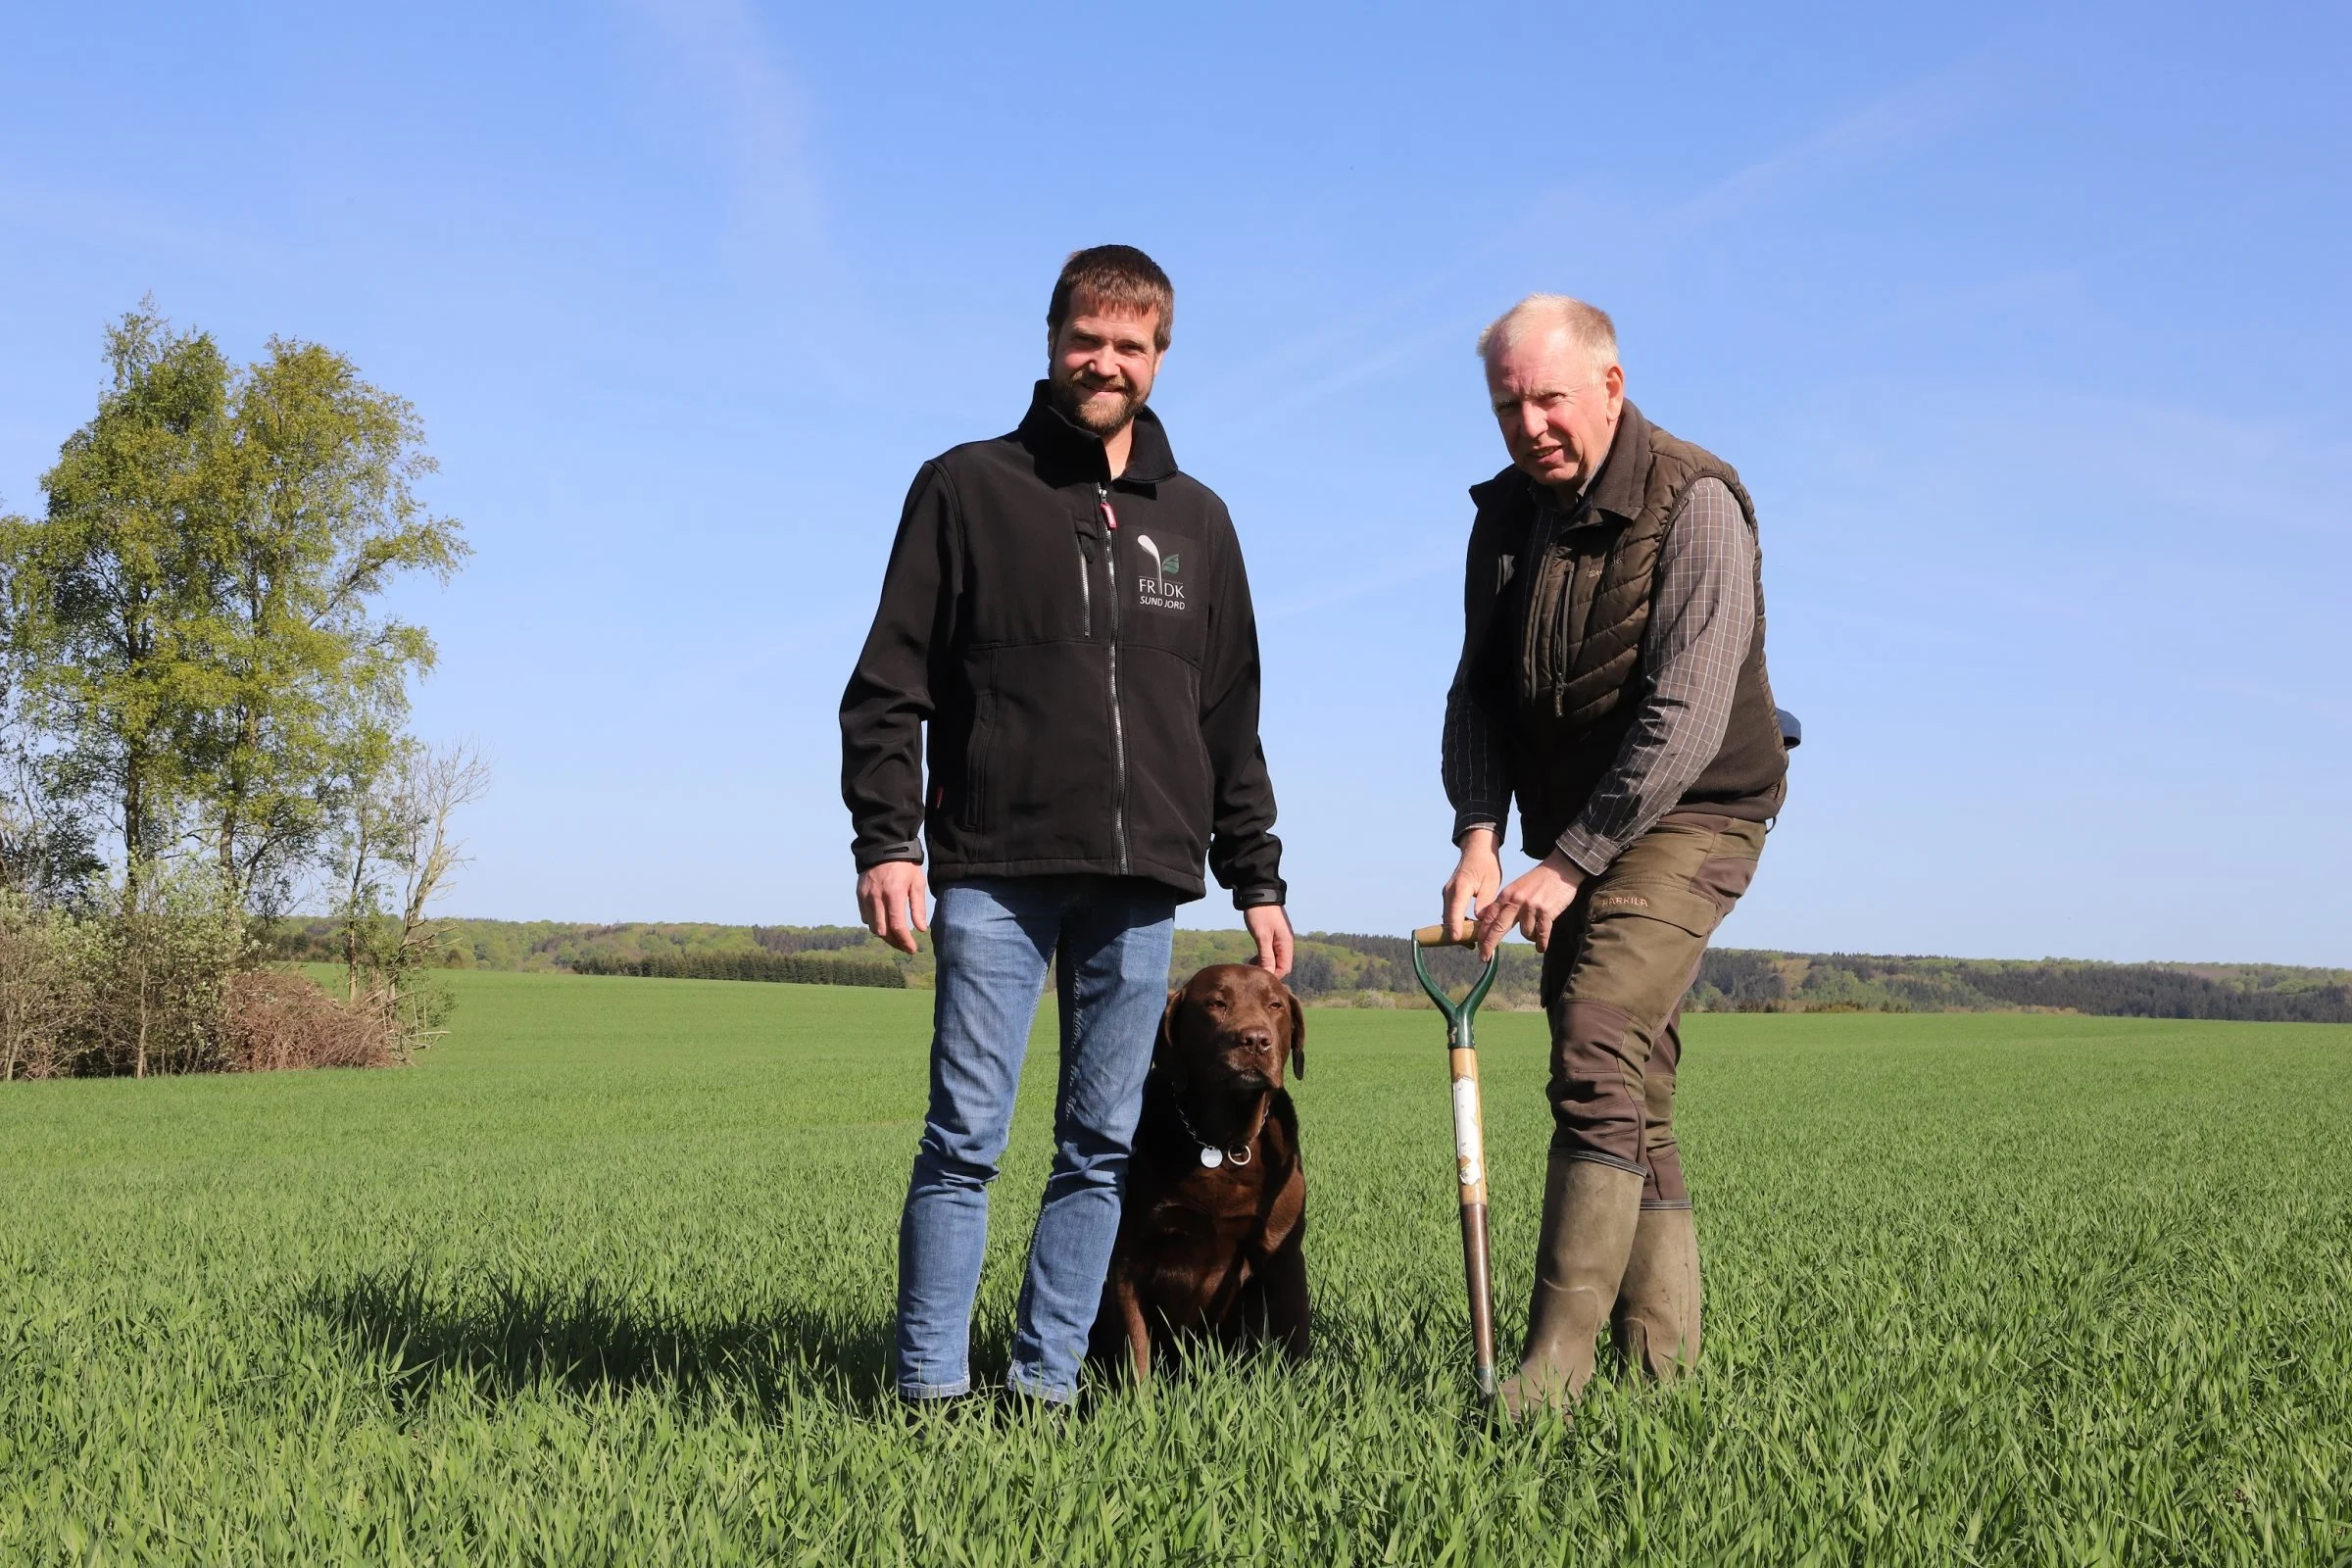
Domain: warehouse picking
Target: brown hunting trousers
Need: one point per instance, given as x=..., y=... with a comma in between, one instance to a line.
x=1614, y=976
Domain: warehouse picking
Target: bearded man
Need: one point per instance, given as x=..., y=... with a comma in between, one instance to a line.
x=1068, y=614
x=1612, y=682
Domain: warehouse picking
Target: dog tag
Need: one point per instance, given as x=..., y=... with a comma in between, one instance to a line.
x=1212, y=1157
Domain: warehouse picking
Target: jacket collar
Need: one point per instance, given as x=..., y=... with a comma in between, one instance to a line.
x=1619, y=488
x=1623, y=481
x=1055, y=442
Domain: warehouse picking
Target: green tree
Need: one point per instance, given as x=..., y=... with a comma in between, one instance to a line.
x=194, y=615
x=48, y=855
x=306, y=686
x=102, y=590
x=397, y=846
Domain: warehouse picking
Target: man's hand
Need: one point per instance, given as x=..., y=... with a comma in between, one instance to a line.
x=891, y=898
x=1475, y=879
x=1532, y=903
x=1270, y=925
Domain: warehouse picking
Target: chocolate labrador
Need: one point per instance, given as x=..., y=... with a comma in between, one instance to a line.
x=1211, y=1227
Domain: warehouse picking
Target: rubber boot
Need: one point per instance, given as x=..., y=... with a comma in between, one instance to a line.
x=1655, y=1325
x=1591, y=1212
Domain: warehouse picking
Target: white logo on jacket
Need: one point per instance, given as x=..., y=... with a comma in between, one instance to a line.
x=1162, y=589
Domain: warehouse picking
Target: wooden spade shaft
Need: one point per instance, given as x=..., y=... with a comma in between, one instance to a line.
x=1470, y=1166
x=1469, y=1140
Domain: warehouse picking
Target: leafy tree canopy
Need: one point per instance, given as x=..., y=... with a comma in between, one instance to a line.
x=193, y=621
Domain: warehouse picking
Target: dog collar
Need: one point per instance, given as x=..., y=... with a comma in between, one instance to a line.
x=1211, y=1156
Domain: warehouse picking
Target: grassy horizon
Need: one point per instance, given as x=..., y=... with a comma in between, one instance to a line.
x=608, y=1278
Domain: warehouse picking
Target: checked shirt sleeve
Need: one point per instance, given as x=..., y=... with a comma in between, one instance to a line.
x=1700, y=622
x=1475, y=764
x=1474, y=753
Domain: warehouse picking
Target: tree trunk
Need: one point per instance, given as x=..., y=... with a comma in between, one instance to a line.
x=351, y=910
x=133, y=827
x=248, y=744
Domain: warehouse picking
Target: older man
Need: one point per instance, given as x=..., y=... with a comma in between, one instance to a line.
x=1611, y=681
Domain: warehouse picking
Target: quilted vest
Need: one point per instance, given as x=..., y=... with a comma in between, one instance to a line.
x=1585, y=585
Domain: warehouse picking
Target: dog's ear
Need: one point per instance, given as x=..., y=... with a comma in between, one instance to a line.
x=1165, y=1058
x=1297, y=1034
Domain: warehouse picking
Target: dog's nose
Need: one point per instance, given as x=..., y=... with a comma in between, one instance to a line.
x=1260, y=1041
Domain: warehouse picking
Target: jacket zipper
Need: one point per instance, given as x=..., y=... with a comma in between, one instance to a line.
x=1118, y=726
x=1086, y=583
x=1532, y=642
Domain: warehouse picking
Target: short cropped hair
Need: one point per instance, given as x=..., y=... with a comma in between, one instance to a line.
x=1113, y=278
x=1587, y=326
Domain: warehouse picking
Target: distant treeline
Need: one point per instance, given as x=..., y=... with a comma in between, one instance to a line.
x=810, y=938
x=1333, y=964
x=1354, y=969
x=1736, y=979
x=686, y=950
x=790, y=967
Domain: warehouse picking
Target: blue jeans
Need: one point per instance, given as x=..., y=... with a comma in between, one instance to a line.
x=993, y=937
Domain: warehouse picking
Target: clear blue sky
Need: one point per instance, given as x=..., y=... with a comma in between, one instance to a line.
x=2026, y=326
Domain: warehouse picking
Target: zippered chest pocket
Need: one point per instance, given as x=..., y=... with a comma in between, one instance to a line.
x=1089, y=553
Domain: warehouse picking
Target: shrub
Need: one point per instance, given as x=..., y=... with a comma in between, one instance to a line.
x=276, y=1020
x=42, y=991
x=160, y=977
x=155, y=963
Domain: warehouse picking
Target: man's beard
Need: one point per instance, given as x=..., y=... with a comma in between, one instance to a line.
x=1101, y=417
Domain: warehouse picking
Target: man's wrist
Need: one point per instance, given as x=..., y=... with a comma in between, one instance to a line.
x=1467, y=823
x=885, y=853
x=1248, y=899
x=1583, y=850
x=1560, y=866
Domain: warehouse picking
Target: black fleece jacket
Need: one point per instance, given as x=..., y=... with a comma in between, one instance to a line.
x=1083, y=652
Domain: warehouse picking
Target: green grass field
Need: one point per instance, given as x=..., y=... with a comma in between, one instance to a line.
x=608, y=1279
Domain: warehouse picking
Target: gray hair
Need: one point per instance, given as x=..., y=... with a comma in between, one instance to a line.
x=1588, y=326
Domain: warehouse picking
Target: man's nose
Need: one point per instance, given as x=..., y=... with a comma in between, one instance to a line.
x=1532, y=422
